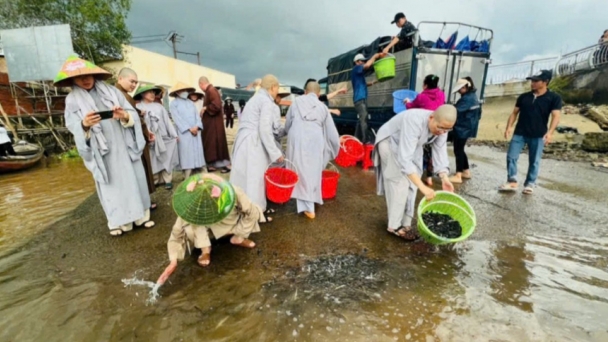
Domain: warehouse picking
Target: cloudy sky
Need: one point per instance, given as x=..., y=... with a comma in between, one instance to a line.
x=294, y=39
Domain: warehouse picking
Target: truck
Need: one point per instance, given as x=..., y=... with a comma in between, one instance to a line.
x=447, y=59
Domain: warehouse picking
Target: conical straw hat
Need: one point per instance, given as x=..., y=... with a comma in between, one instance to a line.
x=180, y=86
x=204, y=206
x=75, y=66
x=145, y=88
x=200, y=94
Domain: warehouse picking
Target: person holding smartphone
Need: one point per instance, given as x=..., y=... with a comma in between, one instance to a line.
x=110, y=147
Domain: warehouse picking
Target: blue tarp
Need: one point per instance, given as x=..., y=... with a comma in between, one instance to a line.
x=448, y=44
x=482, y=46
x=464, y=44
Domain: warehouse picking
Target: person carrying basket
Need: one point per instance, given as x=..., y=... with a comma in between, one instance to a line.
x=398, y=162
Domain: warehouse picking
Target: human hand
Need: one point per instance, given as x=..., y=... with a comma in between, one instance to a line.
x=335, y=112
x=281, y=159
x=548, y=138
x=343, y=91
x=406, y=101
x=386, y=50
x=204, y=109
x=508, y=132
x=168, y=271
x=428, y=193
x=120, y=113
x=151, y=137
x=91, y=119
x=446, y=184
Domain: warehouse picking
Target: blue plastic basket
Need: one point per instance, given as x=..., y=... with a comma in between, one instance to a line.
x=399, y=96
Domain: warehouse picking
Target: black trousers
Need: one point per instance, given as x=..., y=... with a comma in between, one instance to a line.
x=229, y=121
x=462, y=161
x=6, y=149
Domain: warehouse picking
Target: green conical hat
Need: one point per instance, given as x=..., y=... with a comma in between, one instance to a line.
x=75, y=66
x=203, y=207
x=144, y=88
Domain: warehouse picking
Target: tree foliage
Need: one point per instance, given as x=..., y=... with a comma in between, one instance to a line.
x=98, y=26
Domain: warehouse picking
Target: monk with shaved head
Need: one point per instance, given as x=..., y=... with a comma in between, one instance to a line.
x=127, y=82
x=214, y=139
x=398, y=161
x=254, y=146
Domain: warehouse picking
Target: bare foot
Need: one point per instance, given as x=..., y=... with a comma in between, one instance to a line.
x=310, y=215
x=456, y=179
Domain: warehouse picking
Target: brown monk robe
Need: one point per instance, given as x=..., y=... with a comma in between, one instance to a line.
x=215, y=144
x=128, y=76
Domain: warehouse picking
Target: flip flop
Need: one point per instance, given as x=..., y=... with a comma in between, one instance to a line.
x=169, y=186
x=528, y=190
x=408, y=235
x=225, y=170
x=245, y=243
x=507, y=188
x=153, y=206
x=211, y=169
x=147, y=225
x=267, y=218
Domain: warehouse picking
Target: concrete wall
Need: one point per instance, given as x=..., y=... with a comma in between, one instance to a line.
x=159, y=69
x=506, y=89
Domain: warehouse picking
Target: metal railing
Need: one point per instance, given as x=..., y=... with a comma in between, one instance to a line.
x=589, y=58
x=585, y=59
x=514, y=72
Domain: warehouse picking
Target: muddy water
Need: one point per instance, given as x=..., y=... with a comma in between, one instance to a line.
x=31, y=200
x=535, y=270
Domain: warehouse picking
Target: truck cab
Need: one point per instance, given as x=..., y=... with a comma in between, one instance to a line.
x=449, y=59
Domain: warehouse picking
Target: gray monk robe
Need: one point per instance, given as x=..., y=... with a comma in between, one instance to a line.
x=111, y=151
x=312, y=141
x=255, y=147
x=397, y=154
x=163, y=152
x=242, y=221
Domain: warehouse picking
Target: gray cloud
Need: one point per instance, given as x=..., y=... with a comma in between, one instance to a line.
x=294, y=40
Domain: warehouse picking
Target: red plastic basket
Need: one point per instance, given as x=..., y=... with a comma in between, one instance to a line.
x=351, y=151
x=280, y=183
x=329, y=183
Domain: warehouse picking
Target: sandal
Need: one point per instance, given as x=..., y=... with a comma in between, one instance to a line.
x=310, y=215
x=406, y=233
x=147, y=225
x=116, y=232
x=528, y=190
x=169, y=186
x=267, y=218
x=204, y=260
x=211, y=169
x=507, y=187
x=225, y=170
x=153, y=206
x=245, y=243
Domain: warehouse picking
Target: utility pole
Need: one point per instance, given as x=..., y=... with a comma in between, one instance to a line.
x=173, y=39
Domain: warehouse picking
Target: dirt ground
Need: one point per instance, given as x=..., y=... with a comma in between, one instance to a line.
x=496, y=111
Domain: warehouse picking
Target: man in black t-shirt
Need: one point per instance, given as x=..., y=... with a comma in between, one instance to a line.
x=534, y=109
x=404, y=40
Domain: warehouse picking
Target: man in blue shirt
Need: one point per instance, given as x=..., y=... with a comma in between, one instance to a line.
x=532, y=112
x=360, y=93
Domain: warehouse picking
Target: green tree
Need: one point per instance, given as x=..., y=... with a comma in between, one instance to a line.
x=98, y=26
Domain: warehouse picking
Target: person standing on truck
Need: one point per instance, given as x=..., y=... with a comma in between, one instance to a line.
x=532, y=112
x=360, y=93
x=405, y=38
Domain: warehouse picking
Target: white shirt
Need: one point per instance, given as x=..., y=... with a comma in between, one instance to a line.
x=4, y=136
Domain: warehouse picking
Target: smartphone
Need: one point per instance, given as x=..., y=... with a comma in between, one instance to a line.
x=105, y=114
